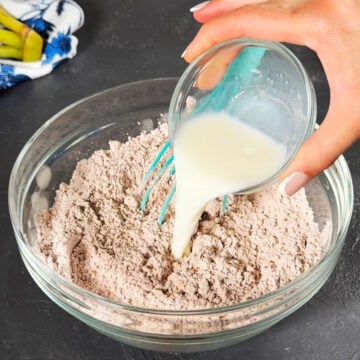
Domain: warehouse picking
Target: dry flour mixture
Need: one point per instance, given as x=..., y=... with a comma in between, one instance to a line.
x=95, y=235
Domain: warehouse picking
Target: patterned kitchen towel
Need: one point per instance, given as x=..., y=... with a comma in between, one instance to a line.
x=55, y=21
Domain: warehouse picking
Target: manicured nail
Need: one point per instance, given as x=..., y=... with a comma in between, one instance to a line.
x=199, y=6
x=293, y=183
x=183, y=54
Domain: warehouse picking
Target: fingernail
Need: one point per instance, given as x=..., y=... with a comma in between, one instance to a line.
x=294, y=182
x=183, y=54
x=199, y=6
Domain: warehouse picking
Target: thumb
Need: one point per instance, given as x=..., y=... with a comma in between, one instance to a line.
x=327, y=143
x=208, y=10
x=250, y=21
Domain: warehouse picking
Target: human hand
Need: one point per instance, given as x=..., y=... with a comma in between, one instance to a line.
x=329, y=27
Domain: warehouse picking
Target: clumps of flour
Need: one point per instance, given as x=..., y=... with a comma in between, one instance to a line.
x=95, y=235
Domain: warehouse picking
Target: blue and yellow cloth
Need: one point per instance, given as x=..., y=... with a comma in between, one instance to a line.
x=55, y=21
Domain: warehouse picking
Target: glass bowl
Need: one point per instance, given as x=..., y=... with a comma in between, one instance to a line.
x=261, y=84
x=89, y=124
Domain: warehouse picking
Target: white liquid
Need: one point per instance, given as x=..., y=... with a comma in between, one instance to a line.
x=216, y=155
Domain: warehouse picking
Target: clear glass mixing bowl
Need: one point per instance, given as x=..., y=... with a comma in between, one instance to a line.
x=259, y=83
x=89, y=124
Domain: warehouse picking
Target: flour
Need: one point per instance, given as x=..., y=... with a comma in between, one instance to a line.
x=96, y=236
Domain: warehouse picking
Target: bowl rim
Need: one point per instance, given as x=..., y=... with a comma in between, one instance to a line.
x=27, y=251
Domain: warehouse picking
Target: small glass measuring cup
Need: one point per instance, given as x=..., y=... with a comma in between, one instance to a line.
x=260, y=83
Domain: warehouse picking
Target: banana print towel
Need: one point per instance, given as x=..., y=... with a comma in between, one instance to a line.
x=55, y=21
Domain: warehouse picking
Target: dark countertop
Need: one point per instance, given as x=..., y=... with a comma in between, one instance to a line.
x=125, y=41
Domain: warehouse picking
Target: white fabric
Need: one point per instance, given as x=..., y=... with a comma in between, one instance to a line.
x=55, y=21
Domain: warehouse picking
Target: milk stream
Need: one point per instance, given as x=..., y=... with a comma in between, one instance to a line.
x=216, y=155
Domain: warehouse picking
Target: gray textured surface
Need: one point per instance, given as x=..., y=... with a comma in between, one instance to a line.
x=124, y=41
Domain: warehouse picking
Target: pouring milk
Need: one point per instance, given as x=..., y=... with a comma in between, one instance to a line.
x=216, y=154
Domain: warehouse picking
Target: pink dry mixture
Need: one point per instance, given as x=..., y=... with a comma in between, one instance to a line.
x=95, y=235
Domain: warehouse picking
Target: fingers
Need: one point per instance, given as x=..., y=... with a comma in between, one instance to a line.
x=208, y=10
x=329, y=28
x=281, y=24
x=334, y=136
x=216, y=68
